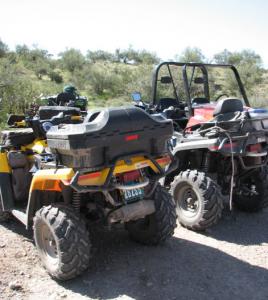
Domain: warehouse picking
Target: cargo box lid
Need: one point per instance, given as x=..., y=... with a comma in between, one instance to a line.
x=112, y=121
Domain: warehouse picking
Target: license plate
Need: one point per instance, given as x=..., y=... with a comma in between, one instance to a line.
x=133, y=194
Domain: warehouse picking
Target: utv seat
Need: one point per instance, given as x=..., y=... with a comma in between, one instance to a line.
x=177, y=114
x=199, y=100
x=227, y=109
x=165, y=103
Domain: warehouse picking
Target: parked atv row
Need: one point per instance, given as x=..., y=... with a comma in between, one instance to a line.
x=220, y=142
x=63, y=172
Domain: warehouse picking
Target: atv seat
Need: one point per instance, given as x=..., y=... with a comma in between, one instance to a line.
x=16, y=138
x=48, y=112
x=12, y=119
x=64, y=97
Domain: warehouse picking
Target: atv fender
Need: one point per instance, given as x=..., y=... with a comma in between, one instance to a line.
x=50, y=180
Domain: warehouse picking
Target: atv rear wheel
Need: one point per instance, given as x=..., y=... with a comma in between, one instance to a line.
x=252, y=193
x=157, y=227
x=198, y=199
x=62, y=241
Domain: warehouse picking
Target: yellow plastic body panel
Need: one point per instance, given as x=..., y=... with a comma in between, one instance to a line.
x=49, y=180
x=76, y=118
x=37, y=146
x=20, y=124
x=95, y=178
x=138, y=162
x=4, y=166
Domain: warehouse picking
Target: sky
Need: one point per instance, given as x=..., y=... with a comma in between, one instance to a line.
x=165, y=27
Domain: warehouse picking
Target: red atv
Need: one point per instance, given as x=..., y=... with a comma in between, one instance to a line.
x=221, y=143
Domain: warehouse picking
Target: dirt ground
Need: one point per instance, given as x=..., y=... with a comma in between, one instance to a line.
x=230, y=261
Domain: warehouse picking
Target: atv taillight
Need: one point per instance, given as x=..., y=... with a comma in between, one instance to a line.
x=164, y=160
x=254, y=148
x=229, y=145
x=132, y=137
x=226, y=146
x=131, y=176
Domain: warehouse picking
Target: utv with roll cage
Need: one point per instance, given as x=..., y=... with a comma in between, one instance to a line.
x=221, y=142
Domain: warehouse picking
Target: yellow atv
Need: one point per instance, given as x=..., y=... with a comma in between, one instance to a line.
x=57, y=177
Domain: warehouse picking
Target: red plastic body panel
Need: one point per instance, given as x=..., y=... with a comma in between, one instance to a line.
x=202, y=114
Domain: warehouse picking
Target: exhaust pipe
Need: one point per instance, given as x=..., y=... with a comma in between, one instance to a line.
x=132, y=212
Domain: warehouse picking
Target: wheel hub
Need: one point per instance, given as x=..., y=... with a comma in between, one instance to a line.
x=191, y=203
x=187, y=201
x=49, y=243
x=249, y=190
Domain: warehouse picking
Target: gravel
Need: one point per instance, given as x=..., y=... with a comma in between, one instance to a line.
x=229, y=261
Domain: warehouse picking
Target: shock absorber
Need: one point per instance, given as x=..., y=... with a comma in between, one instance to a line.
x=77, y=201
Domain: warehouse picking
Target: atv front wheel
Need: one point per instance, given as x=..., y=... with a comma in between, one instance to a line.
x=252, y=192
x=198, y=199
x=62, y=241
x=157, y=227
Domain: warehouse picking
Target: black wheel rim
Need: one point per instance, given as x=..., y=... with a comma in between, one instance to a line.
x=249, y=188
x=187, y=201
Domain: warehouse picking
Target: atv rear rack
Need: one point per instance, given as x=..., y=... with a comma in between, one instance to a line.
x=109, y=185
x=239, y=125
x=228, y=144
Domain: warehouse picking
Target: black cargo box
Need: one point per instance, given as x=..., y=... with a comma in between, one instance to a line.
x=113, y=133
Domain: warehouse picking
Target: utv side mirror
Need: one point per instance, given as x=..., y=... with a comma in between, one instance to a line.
x=199, y=80
x=166, y=80
x=136, y=96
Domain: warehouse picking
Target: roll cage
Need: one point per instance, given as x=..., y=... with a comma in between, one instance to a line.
x=187, y=82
